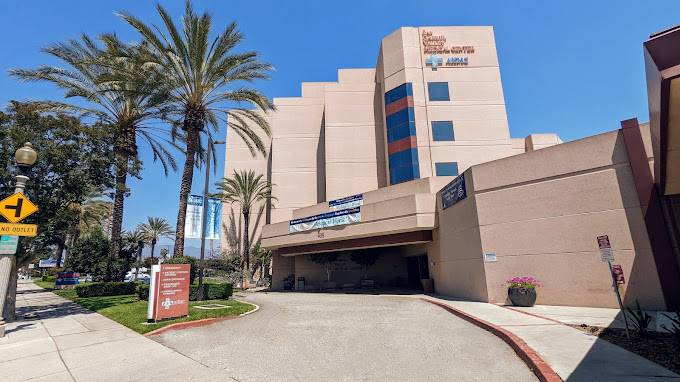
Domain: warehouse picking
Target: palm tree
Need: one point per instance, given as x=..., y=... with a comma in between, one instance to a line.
x=263, y=258
x=154, y=229
x=245, y=188
x=206, y=77
x=128, y=107
x=90, y=213
x=136, y=238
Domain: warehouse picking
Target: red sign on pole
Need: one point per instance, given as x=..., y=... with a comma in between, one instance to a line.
x=617, y=271
x=169, y=291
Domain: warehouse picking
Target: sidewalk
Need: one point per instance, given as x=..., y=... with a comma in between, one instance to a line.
x=69, y=343
x=572, y=354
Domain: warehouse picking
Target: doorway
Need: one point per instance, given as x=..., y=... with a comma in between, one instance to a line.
x=417, y=269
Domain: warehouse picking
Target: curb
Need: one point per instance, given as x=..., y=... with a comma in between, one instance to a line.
x=199, y=323
x=536, y=364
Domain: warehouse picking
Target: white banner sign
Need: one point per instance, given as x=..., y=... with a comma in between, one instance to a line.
x=194, y=220
x=328, y=219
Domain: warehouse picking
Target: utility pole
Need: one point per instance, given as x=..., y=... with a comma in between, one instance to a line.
x=204, y=224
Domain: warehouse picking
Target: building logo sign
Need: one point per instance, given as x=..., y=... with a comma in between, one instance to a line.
x=454, y=192
x=328, y=219
x=434, y=45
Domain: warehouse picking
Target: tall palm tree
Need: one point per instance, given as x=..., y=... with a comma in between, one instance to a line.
x=154, y=229
x=93, y=211
x=245, y=188
x=136, y=238
x=128, y=107
x=207, y=80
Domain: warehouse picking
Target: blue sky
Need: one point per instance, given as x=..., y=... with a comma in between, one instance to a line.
x=575, y=68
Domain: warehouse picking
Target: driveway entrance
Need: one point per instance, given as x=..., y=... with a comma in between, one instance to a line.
x=336, y=337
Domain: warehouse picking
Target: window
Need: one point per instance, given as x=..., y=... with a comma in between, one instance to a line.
x=442, y=131
x=438, y=91
x=446, y=168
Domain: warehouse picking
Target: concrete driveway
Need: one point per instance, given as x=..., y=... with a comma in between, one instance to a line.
x=337, y=337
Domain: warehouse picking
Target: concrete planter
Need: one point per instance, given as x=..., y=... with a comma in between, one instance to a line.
x=522, y=296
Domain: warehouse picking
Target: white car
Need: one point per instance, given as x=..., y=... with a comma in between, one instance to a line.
x=143, y=277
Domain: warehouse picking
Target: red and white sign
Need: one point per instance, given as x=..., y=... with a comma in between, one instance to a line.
x=617, y=272
x=169, y=291
x=606, y=253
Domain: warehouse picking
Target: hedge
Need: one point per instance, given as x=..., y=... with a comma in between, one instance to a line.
x=105, y=289
x=221, y=291
x=49, y=278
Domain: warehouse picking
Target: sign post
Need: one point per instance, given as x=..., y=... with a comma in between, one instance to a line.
x=607, y=256
x=168, y=291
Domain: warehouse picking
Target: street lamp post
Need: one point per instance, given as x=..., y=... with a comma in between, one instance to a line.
x=204, y=224
x=25, y=157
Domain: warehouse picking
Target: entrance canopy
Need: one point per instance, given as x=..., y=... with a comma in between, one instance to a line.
x=394, y=215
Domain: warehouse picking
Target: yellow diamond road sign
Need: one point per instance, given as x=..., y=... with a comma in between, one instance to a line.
x=16, y=207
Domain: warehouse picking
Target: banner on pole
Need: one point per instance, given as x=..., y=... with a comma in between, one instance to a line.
x=194, y=220
x=214, y=221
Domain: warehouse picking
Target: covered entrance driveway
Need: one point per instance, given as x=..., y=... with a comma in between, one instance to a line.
x=388, y=261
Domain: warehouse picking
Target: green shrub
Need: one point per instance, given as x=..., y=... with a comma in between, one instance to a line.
x=220, y=291
x=211, y=291
x=105, y=289
x=143, y=291
x=49, y=278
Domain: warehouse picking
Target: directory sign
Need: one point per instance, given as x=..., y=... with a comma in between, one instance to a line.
x=454, y=192
x=169, y=291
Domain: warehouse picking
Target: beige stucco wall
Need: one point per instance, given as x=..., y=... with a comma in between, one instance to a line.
x=240, y=158
x=351, y=148
x=541, y=212
x=455, y=254
x=297, y=150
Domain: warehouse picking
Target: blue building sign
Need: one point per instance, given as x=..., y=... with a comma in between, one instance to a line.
x=348, y=202
x=454, y=192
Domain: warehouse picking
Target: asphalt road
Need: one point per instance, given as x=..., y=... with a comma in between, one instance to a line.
x=336, y=337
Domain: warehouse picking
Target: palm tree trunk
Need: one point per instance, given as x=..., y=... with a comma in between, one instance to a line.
x=117, y=214
x=153, y=245
x=184, y=190
x=60, y=251
x=246, y=242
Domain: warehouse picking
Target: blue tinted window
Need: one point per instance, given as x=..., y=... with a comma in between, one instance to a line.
x=398, y=93
x=442, y=131
x=399, y=117
x=446, y=168
x=438, y=91
x=404, y=166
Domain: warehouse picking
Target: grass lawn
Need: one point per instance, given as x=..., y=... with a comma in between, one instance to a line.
x=128, y=310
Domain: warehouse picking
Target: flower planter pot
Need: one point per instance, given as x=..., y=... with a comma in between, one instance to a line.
x=522, y=296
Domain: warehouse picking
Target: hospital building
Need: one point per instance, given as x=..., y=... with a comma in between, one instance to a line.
x=413, y=161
